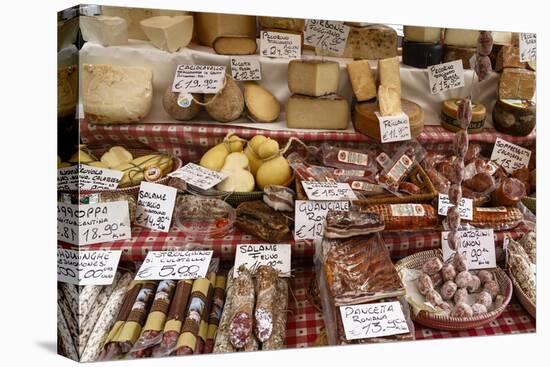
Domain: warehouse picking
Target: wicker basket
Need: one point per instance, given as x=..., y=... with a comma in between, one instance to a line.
x=529, y=306
x=450, y=323
x=531, y=203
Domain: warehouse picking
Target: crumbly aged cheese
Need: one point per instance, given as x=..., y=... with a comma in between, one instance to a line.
x=389, y=101
x=104, y=30
x=362, y=80
x=371, y=42
x=116, y=94
x=508, y=57
x=290, y=24
x=517, y=84
x=422, y=34
x=329, y=112
x=235, y=45
x=67, y=90
x=453, y=53
x=262, y=106
x=502, y=38
x=514, y=116
x=389, y=74
x=210, y=26
x=134, y=16
x=313, y=77
x=169, y=33
x=461, y=37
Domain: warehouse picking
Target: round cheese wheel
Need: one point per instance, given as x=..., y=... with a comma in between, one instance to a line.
x=515, y=116
x=366, y=122
x=422, y=54
x=449, y=113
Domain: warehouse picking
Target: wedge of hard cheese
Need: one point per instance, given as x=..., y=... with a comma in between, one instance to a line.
x=313, y=77
x=169, y=33
x=210, y=26
x=104, y=30
x=362, y=80
x=328, y=112
x=235, y=45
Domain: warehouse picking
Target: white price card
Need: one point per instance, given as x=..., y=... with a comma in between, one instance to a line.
x=253, y=255
x=527, y=47
x=245, y=68
x=178, y=265
x=465, y=207
x=477, y=245
x=196, y=175
x=327, y=35
x=155, y=206
x=87, y=267
x=310, y=217
x=328, y=191
x=510, y=156
x=98, y=179
x=198, y=78
x=280, y=45
x=447, y=76
x=67, y=178
x=93, y=223
x=394, y=128
x=373, y=320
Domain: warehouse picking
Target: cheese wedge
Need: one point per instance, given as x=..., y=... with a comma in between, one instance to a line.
x=389, y=101
x=104, y=30
x=329, y=112
x=461, y=37
x=239, y=45
x=210, y=26
x=169, y=33
x=313, y=77
x=362, y=80
x=389, y=74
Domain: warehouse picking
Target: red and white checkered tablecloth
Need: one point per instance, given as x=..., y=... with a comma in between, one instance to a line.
x=189, y=141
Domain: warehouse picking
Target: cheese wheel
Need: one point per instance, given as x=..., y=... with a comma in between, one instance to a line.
x=453, y=53
x=238, y=45
x=449, y=114
x=210, y=26
x=515, y=116
x=289, y=24
x=422, y=54
x=366, y=122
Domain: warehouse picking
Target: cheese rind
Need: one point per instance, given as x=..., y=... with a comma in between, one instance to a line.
x=502, y=38
x=210, y=26
x=329, y=112
x=262, y=106
x=313, y=77
x=422, y=34
x=515, y=116
x=104, y=30
x=389, y=101
x=116, y=94
x=169, y=33
x=508, y=57
x=389, y=73
x=362, y=80
x=461, y=37
x=240, y=45
x=517, y=84
x=290, y=24
x=453, y=53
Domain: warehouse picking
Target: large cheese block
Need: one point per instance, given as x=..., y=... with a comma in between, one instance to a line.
x=169, y=33
x=422, y=34
x=449, y=116
x=116, y=94
x=313, y=77
x=371, y=42
x=67, y=90
x=517, y=84
x=239, y=45
x=210, y=26
x=289, y=24
x=515, y=116
x=366, y=122
x=134, y=16
x=104, y=30
x=389, y=101
x=422, y=54
x=461, y=37
x=508, y=57
x=453, y=53
x=362, y=80
x=389, y=74
x=328, y=112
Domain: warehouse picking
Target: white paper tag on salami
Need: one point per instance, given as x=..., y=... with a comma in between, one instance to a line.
x=509, y=156
x=192, y=78
x=326, y=35
x=178, y=265
x=196, y=175
x=245, y=68
x=373, y=320
x=394, y=128
x=466, y=207
x=447, y=76
x=349, y=172
x=87, y=267
x=383, y=160
x=328, y=191
x=527, y=47
x=280, y=45
x=347, y=156
x=367, y=187
x=155, y=206
x=478, y=246
x=309, y=217
x=407, y=210
x=254, y=255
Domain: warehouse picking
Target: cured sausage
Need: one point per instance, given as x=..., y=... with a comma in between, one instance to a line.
x=266, y=279
x=278, y=336
x=240, y=327
x=440, y=182
x=510, y=192
x=473, y=152
x=498, y=218
x=464, y=112
x=405, y=216
x=482, y=182
x=222, y=344
x=460, y=143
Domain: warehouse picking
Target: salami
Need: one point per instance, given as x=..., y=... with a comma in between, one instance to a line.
x=266, y=281
x=472, y=153
x=455, y=194
x=460, y=143
x=70, y=293
x=482, y=182
x=203, y=329
x=409, y=188
x=510, y=192
x=240, y=327
x=399, y=217
x=464, y=113
x=86, y=301
x=65, y=337
x=222, y=344
x=63, y=305
x=440, y=182
x=215, y=313
x=278, y=335
x=252, y=344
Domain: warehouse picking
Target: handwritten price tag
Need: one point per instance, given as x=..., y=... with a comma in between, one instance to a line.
x=87, y=267
x=93, y=223
x=527, y=47
x=465, y=207
x=327, y=35
x=196, y=175
x=510, y=156
x=328, y=191
x=310, y=217
x=98, y=179
x=394, y=128
x=254, y=255
x=67, y=178
x=178, y=265
x=373, y=320
x=199, y=78
x=155, y=206
x=280, y=45
x=245, y=68
x=478, y=246
x=447, y=76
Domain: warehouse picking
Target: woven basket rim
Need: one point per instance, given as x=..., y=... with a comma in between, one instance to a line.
x=525, y=301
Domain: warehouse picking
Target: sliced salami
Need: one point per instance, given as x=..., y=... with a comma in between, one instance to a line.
x=240, y=327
